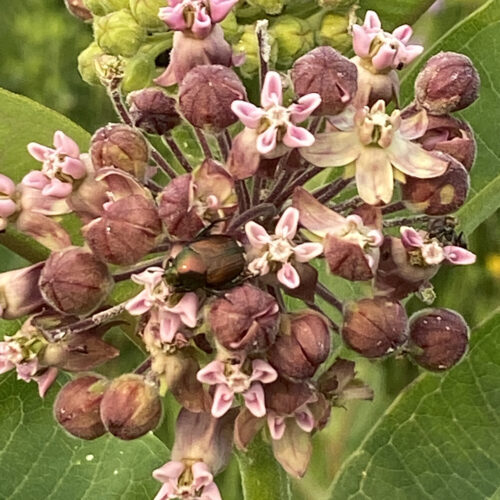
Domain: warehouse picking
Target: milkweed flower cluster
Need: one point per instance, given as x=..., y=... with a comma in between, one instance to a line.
x=212, y=243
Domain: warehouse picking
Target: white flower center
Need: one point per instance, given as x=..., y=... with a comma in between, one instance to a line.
x=277, y=116
x=53, y=165
x=280, y=250
x=432, y=253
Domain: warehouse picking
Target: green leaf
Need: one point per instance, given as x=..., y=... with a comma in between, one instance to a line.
x=477, y=36
x=440, y=437
x=395, y=14
x=39, y=460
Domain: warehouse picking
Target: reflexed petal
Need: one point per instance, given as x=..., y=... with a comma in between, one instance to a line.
x=414, y=127
x=411, y=238
x=66, y=145
x=248, y=114
x=384, y=57
x=255, y=400
x=333, y=149
x=361, y=41
x=276, y=426
x=287, y=225
x=202, y=24
x=403, y=33
x=256, y=234
x=271, y=90
x=211, y=492
x=45, y=380
x=413, y=160
x=458, y=255
x=374, y=178
x=169, y=471
x=288, y=276
x=174, y=17
x=57, y=189
x=307, y=251
x=305, y=419
x=410, y=53
x=304, y=107
x=263, y=372
x=297, y=137
x=212, y=374
x=35, y=179
x=372, y=21
x=38, y=151
x=7, y=185
x=7, y=208
x=223, y=399
x=219, y=9
x=187, y=309
x=169, y=326
x=266, y=141
x=74, y=167
x=344, y=121
x=201, y=475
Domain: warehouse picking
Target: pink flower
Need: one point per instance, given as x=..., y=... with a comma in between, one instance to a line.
x=432, y=251
x=277, y=251
x=194, y=482
x=380, y=147
x=385, y=50
x=231, y=379
x=156, y=295
x=198, y=16
x=275, y=122
x=277, y=423
x=61, y=166
x=8, y=206
x=10, y=355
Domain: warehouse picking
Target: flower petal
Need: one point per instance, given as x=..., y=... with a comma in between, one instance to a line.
x=202, y=476
x=372, y=21
x=403, y=33
x=305, y=419
x=271, y=90
x=187, y=309
x=374, y=178
x=167, y=491
x=300, y=110
x=287, y=225
x=411, y=238
x=297, y=137
x=74, y=167
x=262, y=372
x=202, y=24
x=255, y=400
x=7, y=208
x=307, y=251
x=169, y=326
x=7, y=185
x=249, y=114
x=288, y=276
x=276, y=426
x=174, y=17
x=384, y=58
x=256, y=234
x=171, y=470
x=212, y=374
x=66, y=145
x=361, y=41
x=35, y=179
x=333, y=149
x=414, y=127
x=459, y=256
x=211, y=492
x=410, y=53
x=223, y=399
x=39, y=152
x=45, y=380
x=266, y=141
x=57, y=189
x=219, y=9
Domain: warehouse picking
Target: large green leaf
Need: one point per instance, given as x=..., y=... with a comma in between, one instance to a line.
x=478, y=36
x=440, y=439
x=39, y=460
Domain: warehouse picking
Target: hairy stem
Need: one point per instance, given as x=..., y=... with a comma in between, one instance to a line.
x=327, y=192
x=243, y=196
x=125, y=274
x=308, y=174
x=264, y=48
x=347, y=204
x=407, y=221
x=328, y=296
x=177, y=152
x=203, y=143
x=393, y=207
x=264, y=209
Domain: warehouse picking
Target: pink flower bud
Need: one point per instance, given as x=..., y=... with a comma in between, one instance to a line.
x=153, y=110
x=122, y=147
x=74, y=281
x=302, y=346
x=78, y=9
x=77, y=407
x=329, y=74
x=131, y=407
x=206, y=94
x=449, y=82
x=126, y=232
x=374, y=327
x=438, y=338
x=246, y=318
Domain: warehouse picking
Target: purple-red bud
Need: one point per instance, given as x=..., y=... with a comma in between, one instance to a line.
x=77, y=407
x=78, y=9
x=328, y=73
x=131, y=407
x=74, y=281
x=206, y=94
x=285, y=397
x=246, y=318
x=438, y=338
x=448, y=82
x=126, y=232
x=374, y=327
x=302, y=346
x=153, y=111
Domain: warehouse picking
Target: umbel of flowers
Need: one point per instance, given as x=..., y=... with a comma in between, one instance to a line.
x=214, y=246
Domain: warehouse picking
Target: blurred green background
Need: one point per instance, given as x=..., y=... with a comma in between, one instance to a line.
x=40, y=43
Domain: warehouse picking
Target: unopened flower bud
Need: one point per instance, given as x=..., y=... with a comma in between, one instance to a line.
x=131, y=407
x=246, y=318
x=153, y=111
x=374, y=327
x=77, y=407
x=328, y=73
x=78, y=9
x=126, y=232
x=206, y=94
x=119, y=34
x=438, y=338
x=285, y=397
x=103, y=7
x=302, y=346
x=138, y=72
x=86, y=64
x=334, y=31
x=449, y=82
x=440, y=195
x=272, y=7
x=109, y=69
x=248, y=45
x=74, y=281
x=120, y=146
x=146, y=12
x=293, y=36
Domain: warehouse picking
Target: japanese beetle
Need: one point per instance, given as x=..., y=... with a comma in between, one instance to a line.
x=212, y=262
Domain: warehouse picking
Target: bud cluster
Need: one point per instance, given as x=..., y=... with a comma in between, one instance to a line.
x=211, y=248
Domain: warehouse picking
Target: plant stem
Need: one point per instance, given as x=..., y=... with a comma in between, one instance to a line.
x=177, y=152
x=308, y=174
x=224, y=149
x=406, y=221
x=203, y=143
x=262, y=478
x=141, y=266
x=263, y=209
x=393, y=207
x=243, y=196
x=327, y=192
x=347, y=204
x=264, y=48
x=328, y=296
x=256, y=189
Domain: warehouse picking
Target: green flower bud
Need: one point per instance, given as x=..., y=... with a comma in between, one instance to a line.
x=333, y=31
x=103, y=7
x=146, y=12
x=270, y=6
x=119, y=34
x=77, y=8
x=249, y=46
x=294, y=38
x=109, y=68
x=86, y=64
x=139, y=72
